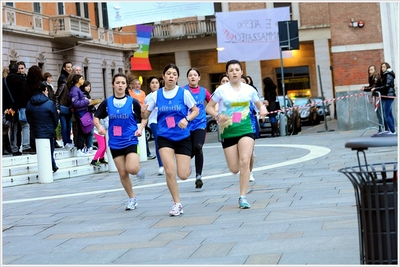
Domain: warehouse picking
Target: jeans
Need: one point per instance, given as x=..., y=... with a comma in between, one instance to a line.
x=89, y=139
x=154, y=131
x=380, y=117
x=19, y=134
x=65, y=121
x=387, y=114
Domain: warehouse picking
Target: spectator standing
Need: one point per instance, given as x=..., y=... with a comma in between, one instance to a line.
x=198, y=125
x=154, y=85
x=98, y=158
x=173, y=103
x=21, y=68
x=42, y=115
x=237, y=133
x=79, y=104
x=272, y=104
x=374, y=80
x=15, y=97
x=123, y=114
x=137, y=93
x=63, y=106
x=388, y=94
x=49, y=78
x=86, y=89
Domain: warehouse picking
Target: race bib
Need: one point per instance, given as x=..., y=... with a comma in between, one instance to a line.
x=237, y=117
x=117, y=131
x=170, y=122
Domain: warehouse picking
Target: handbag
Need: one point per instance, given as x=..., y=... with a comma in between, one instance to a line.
x=64, y=110
x=86, y=122
x=22, y=115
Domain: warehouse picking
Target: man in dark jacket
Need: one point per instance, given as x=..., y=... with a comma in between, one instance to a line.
x=42, y=115
x=16, y=84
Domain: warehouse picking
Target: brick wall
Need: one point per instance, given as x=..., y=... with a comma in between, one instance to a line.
x=312, y=14
x=246, y=6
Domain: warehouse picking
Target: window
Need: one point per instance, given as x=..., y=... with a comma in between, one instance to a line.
x=297, y=81
x=104, y=82
x=41, y=66
x=283, y=4
x=85, y=72
x=105, y=15
x=96, y=14
x=10, y=4
x=78, y=9
x=60, y=6
x=36, y=7
x=215, y=81
x=86, y=10
x=217, y=8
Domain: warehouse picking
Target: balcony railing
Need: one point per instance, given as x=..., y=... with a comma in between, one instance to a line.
x=62, y=26
x=189, y=29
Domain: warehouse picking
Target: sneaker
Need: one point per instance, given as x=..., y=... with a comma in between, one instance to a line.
x=95, y=163
x=141, y=175
x=243, y=204
x=176, y=210
x=18, y=153
x=69, y=146
x=251, y=177
x=103, y=161
x=199, y=182
x=151, y=157
x=55, y=169
x=80, y=153
x=132, y=204
x=391, y=133
x=161, y=171
x=29, y=151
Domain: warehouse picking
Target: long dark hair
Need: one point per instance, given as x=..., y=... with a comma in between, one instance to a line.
x=34, y=79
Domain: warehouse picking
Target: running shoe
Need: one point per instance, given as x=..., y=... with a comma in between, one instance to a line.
x=141, y=175
x=176, y=210
x=95, y=163
x=199, y=182
x=243, y=204
x=161, y=171
x=251, y=177
x=132, y=204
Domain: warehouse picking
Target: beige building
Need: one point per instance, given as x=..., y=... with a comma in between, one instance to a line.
x=342, y=38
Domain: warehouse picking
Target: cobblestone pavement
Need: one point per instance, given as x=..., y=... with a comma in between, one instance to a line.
x=302, y=211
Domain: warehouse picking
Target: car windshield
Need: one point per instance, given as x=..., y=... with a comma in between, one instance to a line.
x=288, y=103
x=300, y=101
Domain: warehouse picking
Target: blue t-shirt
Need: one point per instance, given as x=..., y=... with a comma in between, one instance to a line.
x=200, y=122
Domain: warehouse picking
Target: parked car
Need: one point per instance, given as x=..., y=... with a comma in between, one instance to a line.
x=318, y=102
x=148, y=133
x=293, y=122
x=308, y=110
x=212, y=125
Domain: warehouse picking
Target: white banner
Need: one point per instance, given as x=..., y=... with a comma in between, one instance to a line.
x=250, y=35
x=132, y=13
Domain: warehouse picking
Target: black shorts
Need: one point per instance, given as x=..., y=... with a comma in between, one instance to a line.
x=124, y=151
x=183, y=146
x=227, y=142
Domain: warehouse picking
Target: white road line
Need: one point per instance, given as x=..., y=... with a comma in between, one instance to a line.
x=315, y=152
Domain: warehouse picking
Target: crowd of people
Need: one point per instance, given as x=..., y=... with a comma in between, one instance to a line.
x=176, y=115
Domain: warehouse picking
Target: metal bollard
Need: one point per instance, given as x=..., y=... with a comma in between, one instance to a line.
x=43, y=153
x=142, y=146
x=111, y=164
x=282, y=124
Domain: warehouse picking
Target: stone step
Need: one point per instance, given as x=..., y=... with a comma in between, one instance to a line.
x=62, y=173
x=20, y=170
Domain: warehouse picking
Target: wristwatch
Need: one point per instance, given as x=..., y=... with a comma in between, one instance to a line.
x=187, y=118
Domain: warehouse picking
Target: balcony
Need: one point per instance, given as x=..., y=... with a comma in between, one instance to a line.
x=69, y=27
x=190, y=29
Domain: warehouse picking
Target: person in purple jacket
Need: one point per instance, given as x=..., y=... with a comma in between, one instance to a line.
x=79, y=104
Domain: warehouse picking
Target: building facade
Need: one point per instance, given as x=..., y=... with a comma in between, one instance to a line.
x=338, y=41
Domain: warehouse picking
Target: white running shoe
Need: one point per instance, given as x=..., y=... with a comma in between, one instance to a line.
x=69, y=146
x=251, y=177
x=141, y=175
x=161, y=170
x=176, y=210
x=80, y=153
x=132, y=204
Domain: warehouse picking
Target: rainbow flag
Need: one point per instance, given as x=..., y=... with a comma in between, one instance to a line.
x=140, y=59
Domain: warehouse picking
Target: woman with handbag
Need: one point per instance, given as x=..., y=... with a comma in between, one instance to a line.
x=79, y=104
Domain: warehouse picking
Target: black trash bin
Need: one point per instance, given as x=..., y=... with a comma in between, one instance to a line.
x=375, y=187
